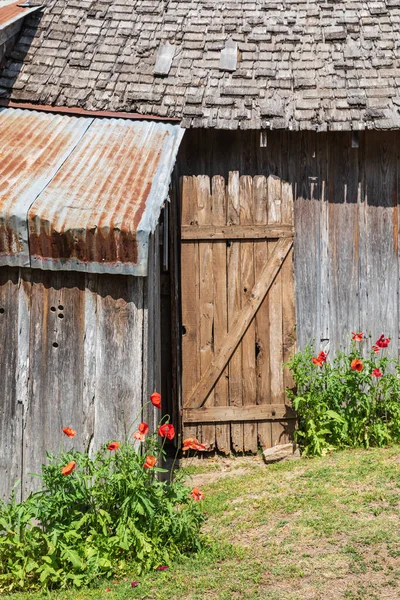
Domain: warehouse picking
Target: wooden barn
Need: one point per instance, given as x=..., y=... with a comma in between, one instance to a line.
x=273, y=131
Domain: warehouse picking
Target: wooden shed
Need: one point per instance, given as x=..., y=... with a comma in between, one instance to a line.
x=282, y=225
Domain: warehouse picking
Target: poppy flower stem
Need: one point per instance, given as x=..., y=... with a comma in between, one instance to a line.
x=178, y=445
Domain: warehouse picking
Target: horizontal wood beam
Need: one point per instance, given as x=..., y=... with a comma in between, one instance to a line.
x=257, y=412
x=236, y=232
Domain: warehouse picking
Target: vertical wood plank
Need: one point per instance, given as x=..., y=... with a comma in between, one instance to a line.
x=206, y=306
x=262, y=317
x=383, y=277
x=56, y=361
x=288, y=302
x=343, y=236
x=234, y=305
x=275, y=311
x=248, y=343
x=190, y=299
x=11, y=406
x=219, y=216
x=119, y=379
x=303, y=170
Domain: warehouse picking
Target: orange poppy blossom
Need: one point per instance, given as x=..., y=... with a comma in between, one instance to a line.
x=376, y=349
x=196, y=494
x=382, y=342
x=321, y=359
x=113, y=446
x=357, y=337
x=69, y=432
x=192, y=444
x=141, y=432
x=67, y=470
x=376, y=373
x=356, y=365
x=167, y=430
x=149, y=462
x=156, y=399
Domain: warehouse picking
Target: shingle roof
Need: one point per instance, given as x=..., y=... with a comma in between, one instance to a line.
x=302, y=64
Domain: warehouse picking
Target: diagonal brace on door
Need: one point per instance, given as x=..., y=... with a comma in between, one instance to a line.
x=241, y=324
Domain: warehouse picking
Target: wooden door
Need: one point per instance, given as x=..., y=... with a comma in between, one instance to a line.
x=238, y=314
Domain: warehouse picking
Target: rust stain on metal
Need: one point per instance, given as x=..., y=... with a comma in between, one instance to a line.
x=80, y=193
x=91, y=209
x=10, y=11
x=82, y=112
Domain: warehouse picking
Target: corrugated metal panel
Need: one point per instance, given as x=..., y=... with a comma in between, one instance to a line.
x=83, y=193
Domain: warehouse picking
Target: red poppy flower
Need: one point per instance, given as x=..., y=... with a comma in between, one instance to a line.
x=156, y=399
x=197, y=494
x=192, y=444
x=108, y=590
x=357, y=337
x=376, y=373
x=356, y=365
x=149, y=462
x=143, y=428
x=163, y=568
x=135, y=583
x=376, y=349
x=383, y=342
x=320, y=360
x=113, y=446
x=67, y=470
x=167, y=430
x=69, y=432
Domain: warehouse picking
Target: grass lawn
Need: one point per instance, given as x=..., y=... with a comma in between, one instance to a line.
x=324, y=528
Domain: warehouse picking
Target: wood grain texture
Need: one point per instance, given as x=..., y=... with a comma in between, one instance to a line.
x=11, y=408
x=226, y=414
x=262, y=316
x=221, y=393
x=206, y=299
x=234, y=306
x=191, y=294
x=248, y=343
x=242, y=321
x=56, y=362
x=237, y=232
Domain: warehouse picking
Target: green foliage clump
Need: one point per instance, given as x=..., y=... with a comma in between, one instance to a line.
x=106, y=517
x=339, y=406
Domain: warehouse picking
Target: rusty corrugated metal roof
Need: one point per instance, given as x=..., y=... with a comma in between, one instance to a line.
x=11, y=12
x=80, y=193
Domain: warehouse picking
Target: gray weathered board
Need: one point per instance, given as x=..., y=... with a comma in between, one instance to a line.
x=75, y=350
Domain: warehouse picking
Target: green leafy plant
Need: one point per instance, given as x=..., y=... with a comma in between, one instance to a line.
x=349, y=401
x=101, y=515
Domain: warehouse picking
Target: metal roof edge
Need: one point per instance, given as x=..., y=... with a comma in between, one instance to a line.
x=82, y=112
x=21, y=16
x=160, y=185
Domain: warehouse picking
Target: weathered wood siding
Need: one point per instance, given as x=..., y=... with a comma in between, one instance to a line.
x=75, y=350
x=346, y=221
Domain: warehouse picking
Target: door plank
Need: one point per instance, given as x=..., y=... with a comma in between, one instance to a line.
x=234, y=306
x=190, y=306
x=262, y=317
x=248, y=343
x=219, y=211
x=241, y=324
x=206, y=306
x=275, y=310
